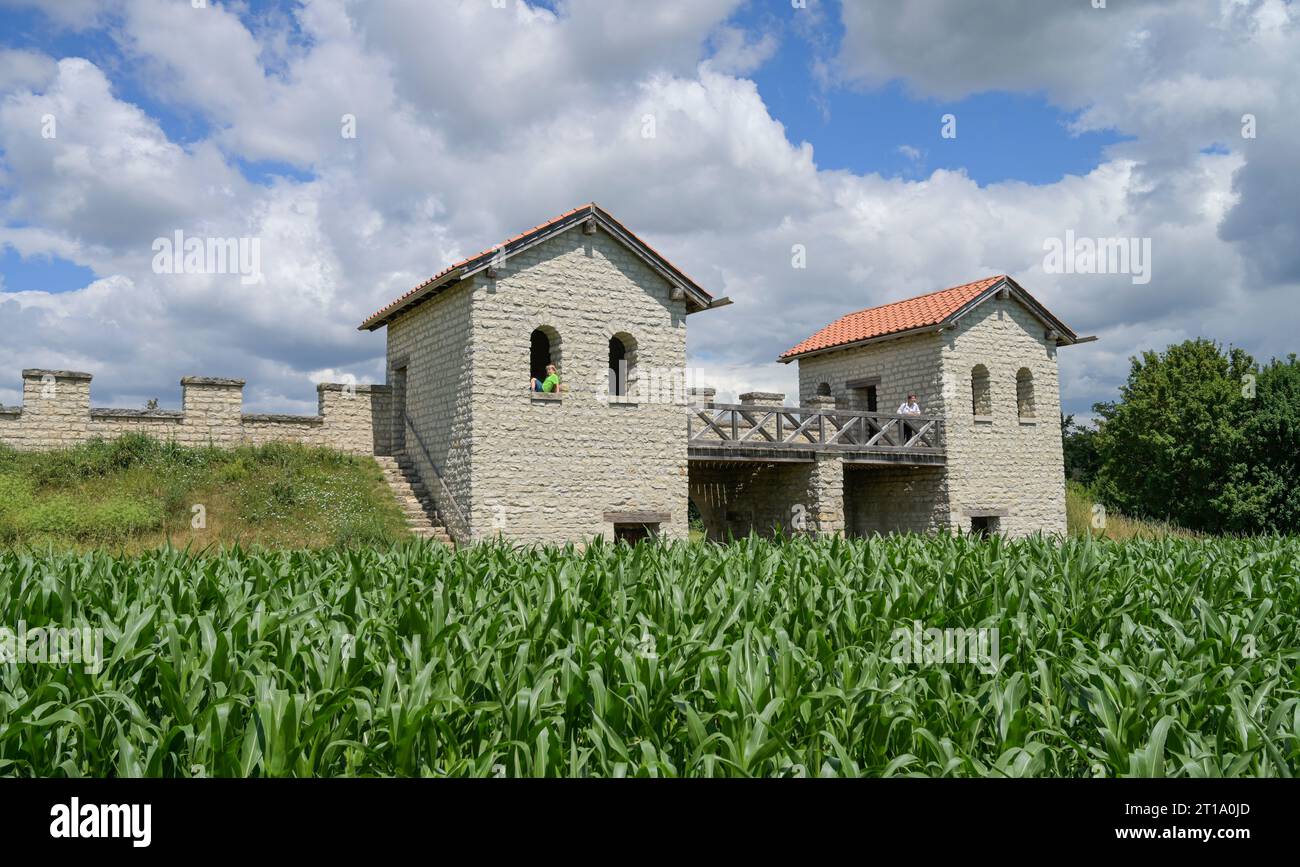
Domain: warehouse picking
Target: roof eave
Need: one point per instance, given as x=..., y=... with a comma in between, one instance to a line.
x=697, y=300
x=387, y=315
x=879, y=338
x=694, y=292
x=1066, y=336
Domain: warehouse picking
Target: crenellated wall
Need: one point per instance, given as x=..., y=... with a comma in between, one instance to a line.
x=56, y=412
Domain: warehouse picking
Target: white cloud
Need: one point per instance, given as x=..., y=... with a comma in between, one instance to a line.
x=475, y=122
x=735, y=54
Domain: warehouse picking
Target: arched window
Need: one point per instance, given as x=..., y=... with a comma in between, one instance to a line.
x=544, y=350
x=622, y=364
x=981, y=399
x=823, y=389
x=1025, y=393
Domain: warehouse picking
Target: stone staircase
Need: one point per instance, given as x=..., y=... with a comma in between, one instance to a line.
x=417, y=504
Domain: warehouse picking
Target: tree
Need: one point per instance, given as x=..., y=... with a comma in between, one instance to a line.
x=1266, y=494
x=1174, y=445
x=1079, y=443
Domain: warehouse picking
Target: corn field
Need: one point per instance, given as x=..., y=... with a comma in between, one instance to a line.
x=761, y=658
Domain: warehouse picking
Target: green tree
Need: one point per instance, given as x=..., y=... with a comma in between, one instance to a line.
x=1265, y=495
x=1174, y=445
x=1079, y=443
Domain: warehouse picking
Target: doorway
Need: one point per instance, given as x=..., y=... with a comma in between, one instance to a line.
x=399, y=410
x=862, y=393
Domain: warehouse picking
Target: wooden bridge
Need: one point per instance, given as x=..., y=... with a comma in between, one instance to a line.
x=745, y=432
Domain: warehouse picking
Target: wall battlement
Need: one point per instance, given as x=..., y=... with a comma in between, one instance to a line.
x=56, y=413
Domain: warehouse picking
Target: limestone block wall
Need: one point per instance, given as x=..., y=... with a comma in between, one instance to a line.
x=904, y=365
x=886, y=499
x=1005, y=462
x=735, y=498
x=56, y=412
x=431, y=362
x=548, y=469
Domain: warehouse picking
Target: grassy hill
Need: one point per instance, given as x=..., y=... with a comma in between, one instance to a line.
x=135, y=493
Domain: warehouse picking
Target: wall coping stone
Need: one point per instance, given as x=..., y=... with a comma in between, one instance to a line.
x=211, y=380
x=113, y=412
x=11, y=410
x=39, y=373
x=358, y=388
x=283, y=419
x=762, y=396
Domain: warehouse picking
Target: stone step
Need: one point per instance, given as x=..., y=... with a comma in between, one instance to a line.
x=419, y=509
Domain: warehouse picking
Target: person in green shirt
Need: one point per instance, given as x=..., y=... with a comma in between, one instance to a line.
x=549, y=385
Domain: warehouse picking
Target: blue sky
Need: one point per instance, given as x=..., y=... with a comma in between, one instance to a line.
x=1001, y=136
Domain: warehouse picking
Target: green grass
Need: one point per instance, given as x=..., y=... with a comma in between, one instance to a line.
x=1079, y=503
x=1141, y=658
x=135, y=493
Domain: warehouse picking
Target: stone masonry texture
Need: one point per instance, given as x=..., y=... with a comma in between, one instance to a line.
x=1006, y=464
x=56, y=413
x=534, y=469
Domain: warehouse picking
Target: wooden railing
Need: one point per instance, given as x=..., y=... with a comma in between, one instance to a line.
x=780, y=427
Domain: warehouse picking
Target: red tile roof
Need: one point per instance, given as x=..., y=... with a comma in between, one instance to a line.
x=899, y=316
x=380, y=316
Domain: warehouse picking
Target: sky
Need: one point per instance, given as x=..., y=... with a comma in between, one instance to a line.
x=898, y=147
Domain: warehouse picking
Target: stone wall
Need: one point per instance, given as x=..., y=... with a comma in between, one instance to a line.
x=56, y=412
x=906, y=365
x=553, y=468
x=431, y=364
x=882, y=499
x=737, y=497
x=1005, y=464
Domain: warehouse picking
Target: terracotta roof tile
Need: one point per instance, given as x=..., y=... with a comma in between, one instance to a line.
x=893, y=318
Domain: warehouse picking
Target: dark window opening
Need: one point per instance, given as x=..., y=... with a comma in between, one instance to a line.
x=1025, y=393
x=633, y=533
x=539, y=355
x=983, y=526
x=981, y=396
x=617, y=367
x=824, y=389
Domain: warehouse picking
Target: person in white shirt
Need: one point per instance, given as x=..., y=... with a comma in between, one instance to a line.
x=909, y=407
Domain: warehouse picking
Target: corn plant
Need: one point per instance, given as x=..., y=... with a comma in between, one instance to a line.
x=760, y=658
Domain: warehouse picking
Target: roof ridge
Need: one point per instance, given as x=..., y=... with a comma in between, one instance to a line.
x=402, y=300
